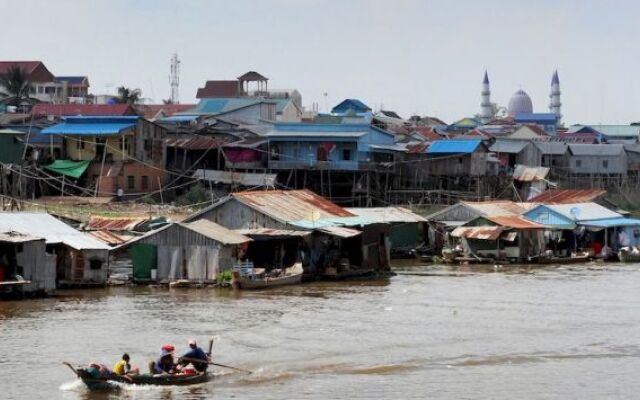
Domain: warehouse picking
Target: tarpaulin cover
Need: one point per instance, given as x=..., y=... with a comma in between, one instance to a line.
x=242, y=155
x=74, y=169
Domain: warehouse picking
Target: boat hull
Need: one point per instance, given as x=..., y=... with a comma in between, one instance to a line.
x=264, y=283
x=106, y=383
x=627, y=256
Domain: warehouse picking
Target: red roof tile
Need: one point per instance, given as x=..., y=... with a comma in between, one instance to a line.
x=428, y=133
x=252, y=76
x=36, y=71
x=219, y=89
x=151, y=111
x=66, y=110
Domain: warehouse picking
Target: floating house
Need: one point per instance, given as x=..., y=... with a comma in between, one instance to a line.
x=339, y=236
x=196, y=251
x=513, y=152
x=597, y=159
x=407, y=229
x=25, y=266
x=511, y=238
x=79, y=258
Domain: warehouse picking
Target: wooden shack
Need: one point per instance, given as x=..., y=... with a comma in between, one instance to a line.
x=25, y=266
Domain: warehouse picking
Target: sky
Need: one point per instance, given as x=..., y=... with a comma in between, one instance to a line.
x=415, y=57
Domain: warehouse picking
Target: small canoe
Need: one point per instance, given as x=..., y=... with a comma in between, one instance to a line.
x=104, y=383
x=289, y=276
x=626, y=255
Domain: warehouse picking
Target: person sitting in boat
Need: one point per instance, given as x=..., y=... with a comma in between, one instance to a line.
x=123, y=367
x=195, y=353
x=165, y=363
x=97, y=370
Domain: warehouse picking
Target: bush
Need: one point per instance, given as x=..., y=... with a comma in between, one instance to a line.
x=148, y=199
x=196, y=194
x=224, y=277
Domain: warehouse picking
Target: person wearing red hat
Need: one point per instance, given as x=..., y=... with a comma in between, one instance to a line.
x=165, y=363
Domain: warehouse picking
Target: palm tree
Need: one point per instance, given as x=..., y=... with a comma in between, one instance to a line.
x=128, y=96
x=16, y=83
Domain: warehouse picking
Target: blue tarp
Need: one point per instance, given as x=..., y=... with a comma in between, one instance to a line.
x=179, y=118
x=612, y=222
x=453, y=146
x=92, y=126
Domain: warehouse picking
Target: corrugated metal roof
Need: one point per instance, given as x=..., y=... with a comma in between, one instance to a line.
x=523, y=173
x=611, y=222
x=583, y=211
x=535, y=117
x=272, y=232
x=387, y=214
x=64, y=110
x=114, y=223
x=216, y=232
x=50, y=228
x=630, y=131
x=195, y=142
x=291, y=205
x=92, y=126
x=515, y=221
x=508, y=146
x=453, y=146
x=560, y=196
x=332, y=221
x=497, y=208
x=340, y=231
x=223, y=105
x=17, y=237
x=596, y=149
x=552, y=148
x=111, y=238
x=478, y=232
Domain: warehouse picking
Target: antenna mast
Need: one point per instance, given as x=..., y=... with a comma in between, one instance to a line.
x=174, y=79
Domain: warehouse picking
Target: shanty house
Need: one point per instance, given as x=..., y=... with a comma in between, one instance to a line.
x=502, y=237
x=80, y=259
x=116, y=152
x=407, y=229
x=625, y=134
x=25, y=266
x=196, y=251
x=553, y=155
x=354, y=240
x=597, y=159
x=530, y=181
x=457, y=158
x=347, y=147
x=512, y=152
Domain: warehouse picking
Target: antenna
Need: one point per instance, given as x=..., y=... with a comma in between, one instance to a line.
x=174, y=79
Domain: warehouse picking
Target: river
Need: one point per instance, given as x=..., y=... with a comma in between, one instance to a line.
x=555, y=332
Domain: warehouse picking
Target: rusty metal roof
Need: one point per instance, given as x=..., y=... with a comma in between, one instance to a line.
x=111, y=238
x=216, y=232
x=272, y=232
x=478, y=232
x=340, y=231
x=563, y=196
x=114, y=223
x=523, y=173
x=291, y=205
x=496, y=207
x=195, y=142
x=514, y=221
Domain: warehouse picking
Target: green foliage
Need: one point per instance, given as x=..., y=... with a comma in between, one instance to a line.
x=196, y=194
x=15, y=83
x=224, y=277
x=128, y=96
x=148, y=199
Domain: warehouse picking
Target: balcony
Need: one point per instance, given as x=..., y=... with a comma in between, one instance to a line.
x=350, y=165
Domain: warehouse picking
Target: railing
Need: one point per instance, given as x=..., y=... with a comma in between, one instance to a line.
x=350, y=165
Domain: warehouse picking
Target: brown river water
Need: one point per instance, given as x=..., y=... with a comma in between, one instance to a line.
x=557, y=332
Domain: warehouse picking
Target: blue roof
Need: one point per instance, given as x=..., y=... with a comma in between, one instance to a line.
x=453, y=146
x=549, y=118
x=92, y=126
x=611, y=222
x=350, y=104
x=222, y=105
x=179, y=118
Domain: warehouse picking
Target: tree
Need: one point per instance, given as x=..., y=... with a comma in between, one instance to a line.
x=128, y=96
x=167, y=101
x=16, y=83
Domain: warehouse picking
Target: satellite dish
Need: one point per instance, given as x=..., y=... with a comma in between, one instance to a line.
x=315, y=215
x=575, y=212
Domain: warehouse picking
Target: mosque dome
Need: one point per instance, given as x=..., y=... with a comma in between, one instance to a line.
x=520, y=102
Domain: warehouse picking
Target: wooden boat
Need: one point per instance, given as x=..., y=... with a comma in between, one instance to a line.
x=264, y=280
x=627, y=255
x=109, y=382
x=334, y=274
x=563, y=260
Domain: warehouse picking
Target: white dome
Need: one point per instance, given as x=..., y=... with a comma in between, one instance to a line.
x=520, y=102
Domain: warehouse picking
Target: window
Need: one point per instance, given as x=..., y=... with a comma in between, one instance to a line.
x=19, y=248
x=124, y=143
x=95, y=264
x=148, y=145
x=460, y=160
x=145, y=183
x=553, y=162
x=131, y=182
x=578, y=163
x=40, y=89
x=605, y=164
x=79, y=143
x=346, y=154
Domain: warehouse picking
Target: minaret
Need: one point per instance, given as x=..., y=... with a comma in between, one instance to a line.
x=486, y=109
x=554, y=98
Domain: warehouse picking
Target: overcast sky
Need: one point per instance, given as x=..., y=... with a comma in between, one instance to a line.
x=424, y=57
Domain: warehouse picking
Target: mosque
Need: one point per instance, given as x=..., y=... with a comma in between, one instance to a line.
x=520, y=107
